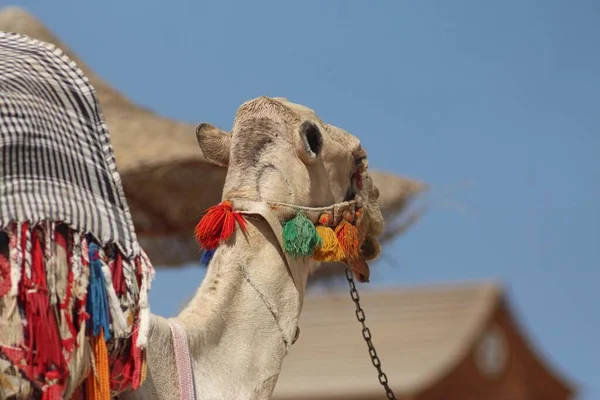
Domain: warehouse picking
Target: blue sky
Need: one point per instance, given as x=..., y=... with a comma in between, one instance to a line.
x=494, y=104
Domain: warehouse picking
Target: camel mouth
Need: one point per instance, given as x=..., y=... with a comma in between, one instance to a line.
x=360, y=269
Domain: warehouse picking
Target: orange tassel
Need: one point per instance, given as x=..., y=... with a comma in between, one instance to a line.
x=218, y=224
x=98, y=386
x=347, y=235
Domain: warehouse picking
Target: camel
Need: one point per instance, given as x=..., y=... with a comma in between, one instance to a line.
x=74, y=299
x=243, y=318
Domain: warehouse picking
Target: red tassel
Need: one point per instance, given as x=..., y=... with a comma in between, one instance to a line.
x=137, y=358
x=117, y=275
x=53, y=391
x=125, y=370
x=44, y=343
x=218, y=224
x=5, y=281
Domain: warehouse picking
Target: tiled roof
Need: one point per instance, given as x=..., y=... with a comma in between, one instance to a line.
x=419, y=333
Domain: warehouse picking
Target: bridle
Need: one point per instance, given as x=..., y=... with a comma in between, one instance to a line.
x=274, y=213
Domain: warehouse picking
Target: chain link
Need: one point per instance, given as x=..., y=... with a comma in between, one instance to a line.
x=366, y=332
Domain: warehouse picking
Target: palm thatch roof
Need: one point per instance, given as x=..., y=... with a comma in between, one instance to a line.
x=170, y=169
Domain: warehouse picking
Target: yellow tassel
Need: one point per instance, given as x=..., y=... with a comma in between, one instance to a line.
x=98, y=385
x=330, y=249
x=347, y=235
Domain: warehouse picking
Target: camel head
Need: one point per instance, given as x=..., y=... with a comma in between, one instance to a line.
x=282, y=152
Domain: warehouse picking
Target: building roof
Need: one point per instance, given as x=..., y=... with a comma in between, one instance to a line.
x=420, y=334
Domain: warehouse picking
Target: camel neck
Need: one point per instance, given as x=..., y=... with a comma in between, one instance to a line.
x=243, y=317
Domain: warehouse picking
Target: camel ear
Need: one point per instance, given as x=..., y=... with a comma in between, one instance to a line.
x=214, y=143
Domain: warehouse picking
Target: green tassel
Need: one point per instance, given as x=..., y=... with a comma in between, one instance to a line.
x=300, y=237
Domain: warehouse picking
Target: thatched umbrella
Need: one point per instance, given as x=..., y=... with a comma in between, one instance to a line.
x=162, y=172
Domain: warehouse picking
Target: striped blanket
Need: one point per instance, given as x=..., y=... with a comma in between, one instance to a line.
x=73, y=278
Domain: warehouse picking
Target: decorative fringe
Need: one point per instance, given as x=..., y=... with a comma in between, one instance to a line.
x=80, y=274
x=98, y=384
x=53, y=390
x=80, y=359
x=117, y=274
x=16, y=258
x=147, y=272
x=11, y=331
x=300, y=237
x=138, y=359
x=131, y=283
x=119, y=322
x=60, y=291
x=217, y=225
x=43, y=332
x=26, y=247
x=50, y=261
x=347, y=235
x=4, y=275
x=330, y=249
x=207, y=256
x=97, y=301
x=64, y=284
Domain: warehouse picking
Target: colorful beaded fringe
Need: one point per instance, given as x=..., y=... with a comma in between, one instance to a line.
x=58, y=289
x=301, y=238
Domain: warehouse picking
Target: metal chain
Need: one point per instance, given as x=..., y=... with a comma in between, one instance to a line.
x=366, y=332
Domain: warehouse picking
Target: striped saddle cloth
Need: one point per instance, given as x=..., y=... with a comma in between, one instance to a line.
x=73, y=279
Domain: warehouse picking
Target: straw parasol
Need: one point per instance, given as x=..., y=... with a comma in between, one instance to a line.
x=162, y=172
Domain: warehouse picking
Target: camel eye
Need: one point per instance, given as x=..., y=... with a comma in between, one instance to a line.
x=359, y=160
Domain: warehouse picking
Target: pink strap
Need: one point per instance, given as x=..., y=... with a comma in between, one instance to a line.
x=182, y=361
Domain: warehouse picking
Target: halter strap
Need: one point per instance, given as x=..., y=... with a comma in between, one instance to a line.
x=274, y=212
x=183, y=361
